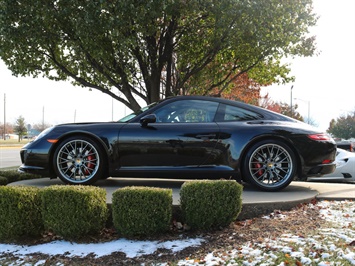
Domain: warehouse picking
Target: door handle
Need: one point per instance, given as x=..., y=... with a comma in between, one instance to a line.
x=206, y=136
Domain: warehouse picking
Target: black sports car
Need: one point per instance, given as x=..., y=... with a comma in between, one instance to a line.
x=191, y=137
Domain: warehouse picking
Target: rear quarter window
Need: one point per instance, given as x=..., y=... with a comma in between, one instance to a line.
x=234, y=113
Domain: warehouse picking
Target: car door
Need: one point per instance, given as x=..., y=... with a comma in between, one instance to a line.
x=184, y=135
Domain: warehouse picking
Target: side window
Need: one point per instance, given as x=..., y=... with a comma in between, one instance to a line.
x=187, y=111
x=234, y=113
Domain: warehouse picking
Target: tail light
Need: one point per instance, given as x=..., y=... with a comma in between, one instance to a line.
x=320, y=137
x=327, y=161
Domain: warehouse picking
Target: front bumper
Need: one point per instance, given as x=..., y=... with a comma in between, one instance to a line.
x=35, y=161
x=33, y=170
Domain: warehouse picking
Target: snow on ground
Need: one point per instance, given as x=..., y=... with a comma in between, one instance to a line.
x=130, y=247
x=331, y=246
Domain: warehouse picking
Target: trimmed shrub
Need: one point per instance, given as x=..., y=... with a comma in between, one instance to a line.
x=141, y=211
x=20, y=212
x=210, y=204
x=14, y=175
x=74, y=211
x=3, y=181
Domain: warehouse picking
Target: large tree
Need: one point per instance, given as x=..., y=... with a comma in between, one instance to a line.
x=145, y=50
x=243, y=89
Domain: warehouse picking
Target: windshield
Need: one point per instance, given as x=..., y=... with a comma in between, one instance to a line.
x=133, y=115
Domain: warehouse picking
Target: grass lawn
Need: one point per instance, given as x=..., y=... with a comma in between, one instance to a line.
x=13, y=142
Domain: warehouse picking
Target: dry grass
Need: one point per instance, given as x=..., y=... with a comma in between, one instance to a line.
x=13, y=142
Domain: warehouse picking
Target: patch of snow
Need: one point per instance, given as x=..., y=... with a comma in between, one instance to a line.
x=129, y=247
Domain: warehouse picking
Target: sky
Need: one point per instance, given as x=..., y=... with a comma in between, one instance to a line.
x=324, y=87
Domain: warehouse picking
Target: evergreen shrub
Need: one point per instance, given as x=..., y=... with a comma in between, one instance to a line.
x=74, y=211
x=141, y=211
x=14, y=175
x=20, y=212
x=3, y=181
x=208, y=204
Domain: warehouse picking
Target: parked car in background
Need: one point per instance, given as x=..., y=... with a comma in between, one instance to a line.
x=189, y=137
x=346, y=145
x=345, y=168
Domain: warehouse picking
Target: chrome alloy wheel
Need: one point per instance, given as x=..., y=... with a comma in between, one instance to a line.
x=78, y=161
x=271, y=165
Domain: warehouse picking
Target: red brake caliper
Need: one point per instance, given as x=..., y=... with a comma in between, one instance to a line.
x=260, y=172
x=89, y=165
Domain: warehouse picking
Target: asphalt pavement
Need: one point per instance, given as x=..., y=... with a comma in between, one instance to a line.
x=10, y=156
x=255, y=202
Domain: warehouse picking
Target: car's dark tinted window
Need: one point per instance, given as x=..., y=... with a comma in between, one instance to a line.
x=234, y=113
x=187, y=111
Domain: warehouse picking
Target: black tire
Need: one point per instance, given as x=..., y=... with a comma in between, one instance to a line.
x=269, y=165
x=78, y=160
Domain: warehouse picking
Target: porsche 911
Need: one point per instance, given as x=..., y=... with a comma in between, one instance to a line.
x=187, y=137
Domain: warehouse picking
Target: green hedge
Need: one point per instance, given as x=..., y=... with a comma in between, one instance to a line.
x=74, y=211
x=3, y=181
x=77, y=211
x=141, y=211
x=210, y=204
x=20, y=212
x=14, y=175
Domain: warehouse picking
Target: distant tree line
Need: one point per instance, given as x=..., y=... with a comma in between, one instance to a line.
x=21, y=129
x=343, y=127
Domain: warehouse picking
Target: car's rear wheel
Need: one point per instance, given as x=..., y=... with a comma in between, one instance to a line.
x=270, y=165
x=78, y=160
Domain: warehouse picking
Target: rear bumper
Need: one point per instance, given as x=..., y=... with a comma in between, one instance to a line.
x=320, y=170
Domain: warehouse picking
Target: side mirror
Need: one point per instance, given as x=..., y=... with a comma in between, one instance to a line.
x=145, y=120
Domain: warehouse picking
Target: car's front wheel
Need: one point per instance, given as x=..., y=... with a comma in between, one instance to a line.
x=270, y=165
x=78, y=160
